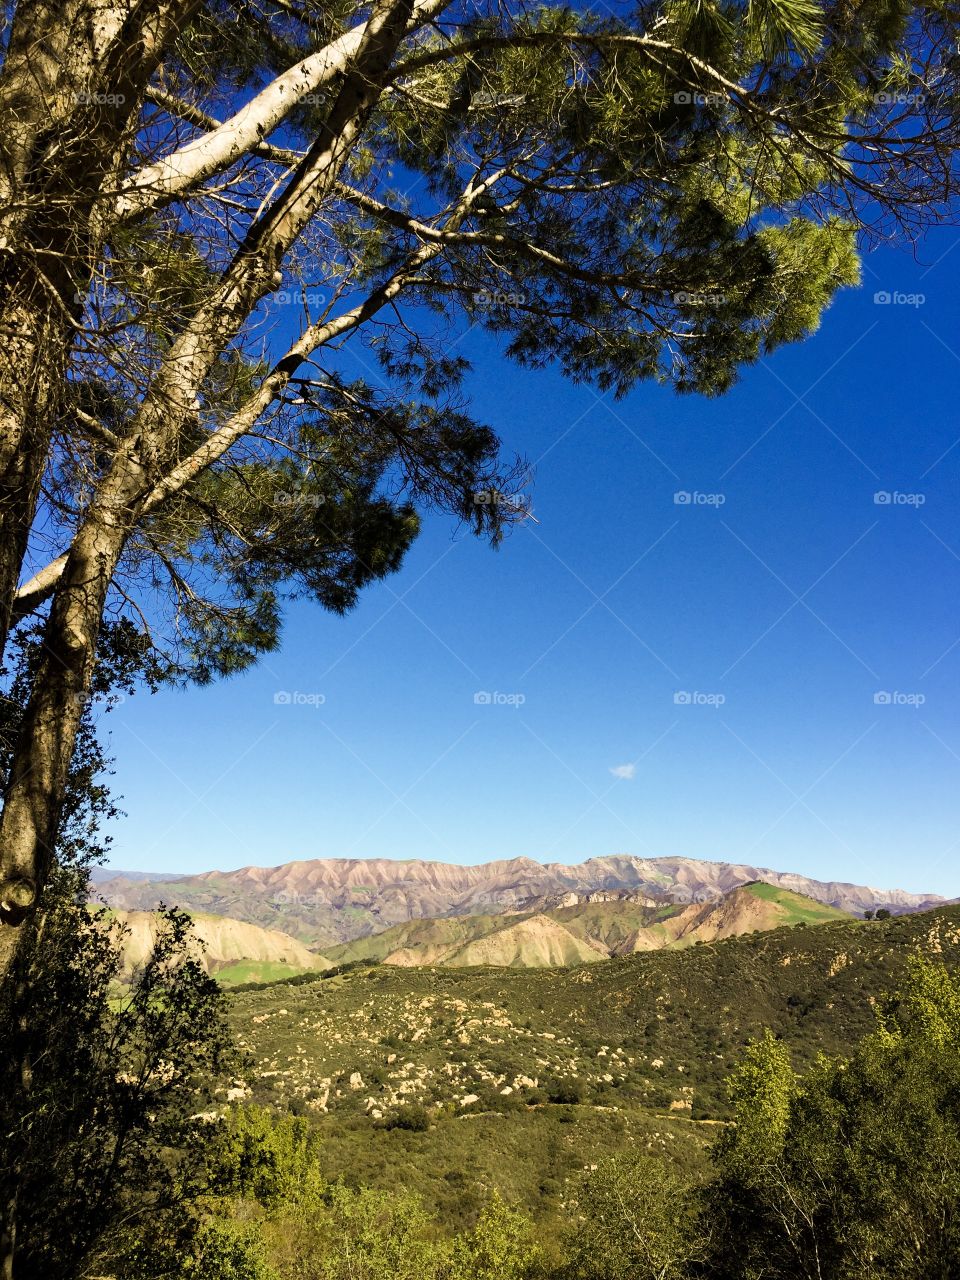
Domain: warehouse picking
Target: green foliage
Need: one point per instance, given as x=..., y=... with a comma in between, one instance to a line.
x=272, y=1159
x=124, y=660
x=350, y=1234
x=413, y=1118
x=343, y=514
x=762, y=1089
x=500, y=1247
x=570, y=1092
x=861, y=1172
x=100, y=1097
x=636, y=1220
x=224, y=1250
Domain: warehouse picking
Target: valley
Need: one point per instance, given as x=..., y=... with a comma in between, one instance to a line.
x=484, y=1070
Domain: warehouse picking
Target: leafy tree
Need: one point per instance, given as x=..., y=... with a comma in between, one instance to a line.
x=412, y=1117
x=637, y=1221
x=668, y=193
x=883, y=913
x=103, y=1157
x=345, y=1233
x=854, y=1170
x=102, y=1095
x=500, y=1247
x=272, y=1159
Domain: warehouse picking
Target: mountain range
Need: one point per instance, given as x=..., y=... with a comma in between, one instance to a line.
x=587, y=931
x=325, y=903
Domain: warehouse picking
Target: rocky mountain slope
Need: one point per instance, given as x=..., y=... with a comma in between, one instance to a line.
x=323, y=902
x=585, y=932
x=232, y=949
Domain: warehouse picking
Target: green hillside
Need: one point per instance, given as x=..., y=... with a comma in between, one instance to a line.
x=247, y=971
x=797, y=908
x=634, y=1046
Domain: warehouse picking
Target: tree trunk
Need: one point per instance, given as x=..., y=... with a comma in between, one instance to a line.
x=72, y=84
x=35, y=789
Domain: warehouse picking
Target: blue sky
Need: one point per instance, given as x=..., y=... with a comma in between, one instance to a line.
x=767, y=672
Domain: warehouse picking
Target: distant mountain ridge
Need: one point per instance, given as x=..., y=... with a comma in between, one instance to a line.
x=586, y=932
x=325, y=902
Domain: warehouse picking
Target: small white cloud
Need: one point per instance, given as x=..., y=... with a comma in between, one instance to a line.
x=624, y=770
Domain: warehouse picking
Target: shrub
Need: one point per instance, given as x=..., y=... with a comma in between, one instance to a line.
x=414, y=1118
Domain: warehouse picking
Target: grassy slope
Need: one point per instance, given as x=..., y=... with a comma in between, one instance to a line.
x=796, y=907
x=635, y=1034
x=242, y=971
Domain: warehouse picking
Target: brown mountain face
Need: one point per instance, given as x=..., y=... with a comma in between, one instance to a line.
x=585, y=932
x=327, y=901
x=222, y=944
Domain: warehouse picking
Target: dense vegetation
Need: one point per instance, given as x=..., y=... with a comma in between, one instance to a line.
x=652, y=1028
x=738, y=1109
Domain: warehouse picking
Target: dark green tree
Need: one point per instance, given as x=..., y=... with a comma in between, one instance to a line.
x=101, y=1095
x=854, y=1169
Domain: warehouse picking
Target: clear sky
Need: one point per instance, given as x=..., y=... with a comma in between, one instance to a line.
x=768, y=675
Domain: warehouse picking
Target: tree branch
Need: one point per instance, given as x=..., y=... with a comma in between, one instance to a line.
x=198, y=160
